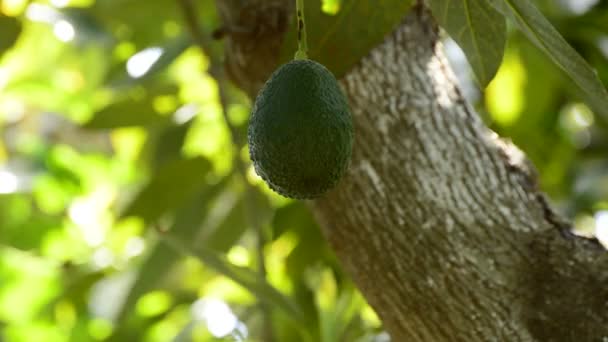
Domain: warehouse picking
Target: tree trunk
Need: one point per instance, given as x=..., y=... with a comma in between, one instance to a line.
x=440, y=223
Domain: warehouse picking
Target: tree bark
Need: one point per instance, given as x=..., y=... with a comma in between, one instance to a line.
x=440, y=223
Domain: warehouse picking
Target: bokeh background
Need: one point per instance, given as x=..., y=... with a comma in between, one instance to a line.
x=129, y=210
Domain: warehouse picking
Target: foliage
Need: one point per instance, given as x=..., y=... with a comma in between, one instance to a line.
x=478, y=27
x=332, y=39
x=124, y=214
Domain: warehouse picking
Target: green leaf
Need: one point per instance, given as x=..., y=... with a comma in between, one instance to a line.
x=295, y=216
x=154, y=270
x=145, y=22
x=10, y=28
x=169, y=142
x=478, y=29
x=538, y=29
x=240, y=275
x=136, y=109
x=312, y=247
x=136, y=96
x=235, y=222
x=311, y=251
x=340, y=41
x=169, y=188
x=231, y=228
x=170, y=50
x=143, y=27
x=233, y=225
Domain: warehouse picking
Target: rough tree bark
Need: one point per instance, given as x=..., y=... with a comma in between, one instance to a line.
x=438, y=221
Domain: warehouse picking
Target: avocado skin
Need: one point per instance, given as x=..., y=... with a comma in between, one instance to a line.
x=301, y=132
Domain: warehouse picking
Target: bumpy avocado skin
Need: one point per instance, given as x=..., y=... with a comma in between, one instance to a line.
x=301, y=131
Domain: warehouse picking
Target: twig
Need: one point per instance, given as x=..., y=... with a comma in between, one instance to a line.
x=217, y=72
x=302, y=52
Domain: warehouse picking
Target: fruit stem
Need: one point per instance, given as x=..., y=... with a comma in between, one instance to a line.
x=302, y=52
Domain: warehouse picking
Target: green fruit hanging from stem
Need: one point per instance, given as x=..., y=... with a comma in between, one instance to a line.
x=301, y=131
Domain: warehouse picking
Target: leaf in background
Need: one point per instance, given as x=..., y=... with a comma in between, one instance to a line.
x=540, y=31
x=77, y=285
x=135, y=107
x=169, y=142
x=10, y=28
x=478, y=29
x=171, y=50
x=135, y=110
x=141, y=22
x=534, y=89
x=168, y=50
x=169, y=188
x=235, y=223
x=296, y=217
x=243, y=276
x=145, y=22
x=88, y=28
x=160, y=261
x=339, y=41
x=311, y=250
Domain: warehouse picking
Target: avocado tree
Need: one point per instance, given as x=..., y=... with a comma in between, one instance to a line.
x=440, y=222
x=474, y=206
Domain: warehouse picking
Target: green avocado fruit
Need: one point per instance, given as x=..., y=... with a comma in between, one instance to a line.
x=301, y=131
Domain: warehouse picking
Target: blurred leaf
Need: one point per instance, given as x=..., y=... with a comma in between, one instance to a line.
x=235, y=222
x=540, y=31
x=147, y=22
x=28, y=283
x=10, y=28
x=36, y=330
x=331, y=6
x=169, y=143
x=231, y=228
x=190, y=219
x=185, y=334
x=154, y=303
x=31, y=234
x=137, y=109
x=88, y=28
x=15, y=211
x=169, y=51
x=350, y=309
x=241, y=275
x=77, y=284
x=293, y=216
x=535, y=88
x=346, y=310
x=478, y=29
x=339, y=41
x=296, y=217
x=312, y=248
x=162, y=258
x=169, y=188
x=143, y=27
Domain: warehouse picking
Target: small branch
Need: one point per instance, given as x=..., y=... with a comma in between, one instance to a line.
x=217, y=72
x=302, y=52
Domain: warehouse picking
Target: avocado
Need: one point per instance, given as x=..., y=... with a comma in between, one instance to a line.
x=301, y=132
